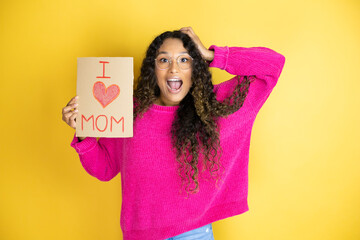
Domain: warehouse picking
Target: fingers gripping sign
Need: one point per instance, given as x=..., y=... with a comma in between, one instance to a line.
x=69, y=112
x=208, y=55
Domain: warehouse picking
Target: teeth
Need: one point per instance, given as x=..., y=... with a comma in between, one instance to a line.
x=174, y=80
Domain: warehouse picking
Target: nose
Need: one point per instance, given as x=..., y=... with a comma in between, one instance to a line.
x=174, y=68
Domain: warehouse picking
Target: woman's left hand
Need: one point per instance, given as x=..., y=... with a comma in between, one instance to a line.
x=207, y=54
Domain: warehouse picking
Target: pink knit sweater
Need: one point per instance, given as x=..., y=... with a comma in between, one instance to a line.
x=152, y=207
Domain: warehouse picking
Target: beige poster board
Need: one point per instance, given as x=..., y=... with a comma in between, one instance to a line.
x=105, y=90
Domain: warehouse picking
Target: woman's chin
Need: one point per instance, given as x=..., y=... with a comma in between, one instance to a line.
x=171, y=100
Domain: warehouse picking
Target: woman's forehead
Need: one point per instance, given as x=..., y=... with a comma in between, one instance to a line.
x=172, y=45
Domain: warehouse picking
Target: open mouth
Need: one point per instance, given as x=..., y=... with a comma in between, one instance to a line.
x=174, y=84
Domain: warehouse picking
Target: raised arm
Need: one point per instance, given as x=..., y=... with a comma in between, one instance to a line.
x=254, y=61
x=101, y=159
x=261, y=63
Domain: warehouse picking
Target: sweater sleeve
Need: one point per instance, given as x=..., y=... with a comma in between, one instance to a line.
x=101, y=159
x=263, y=64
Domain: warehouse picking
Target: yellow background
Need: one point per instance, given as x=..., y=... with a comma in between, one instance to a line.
x=304, y=157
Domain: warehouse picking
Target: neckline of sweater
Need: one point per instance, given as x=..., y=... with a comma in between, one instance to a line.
x=164, y=108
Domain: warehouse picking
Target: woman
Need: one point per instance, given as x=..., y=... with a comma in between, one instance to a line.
x=188, y=135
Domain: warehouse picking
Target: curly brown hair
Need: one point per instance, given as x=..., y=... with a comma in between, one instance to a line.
x=194, y=130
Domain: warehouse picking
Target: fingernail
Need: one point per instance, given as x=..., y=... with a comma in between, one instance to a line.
x=76, y=110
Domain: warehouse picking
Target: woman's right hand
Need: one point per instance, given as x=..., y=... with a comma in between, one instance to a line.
x=69, y=113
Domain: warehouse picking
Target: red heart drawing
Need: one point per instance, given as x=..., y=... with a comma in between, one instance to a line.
x=105, y=95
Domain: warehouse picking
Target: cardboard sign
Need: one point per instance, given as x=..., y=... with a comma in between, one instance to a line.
x=105, y=90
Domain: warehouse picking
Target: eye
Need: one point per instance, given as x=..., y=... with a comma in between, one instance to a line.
x=163, y=60
x=184, y=59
